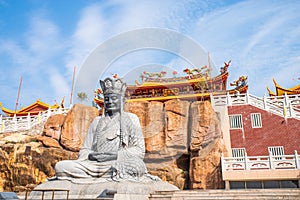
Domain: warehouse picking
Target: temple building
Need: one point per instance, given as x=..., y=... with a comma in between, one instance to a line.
x=33, y=109
x=195, y=86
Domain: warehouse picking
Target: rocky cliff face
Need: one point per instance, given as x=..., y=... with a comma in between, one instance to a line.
x=178, y=136
x=183, y=145
x=28, y=158
x=25, y=162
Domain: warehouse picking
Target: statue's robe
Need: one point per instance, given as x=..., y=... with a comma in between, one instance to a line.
x=101, y=157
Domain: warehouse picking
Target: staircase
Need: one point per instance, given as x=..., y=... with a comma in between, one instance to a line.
x=265, y=194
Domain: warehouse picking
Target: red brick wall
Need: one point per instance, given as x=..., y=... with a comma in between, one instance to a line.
x=275, y=131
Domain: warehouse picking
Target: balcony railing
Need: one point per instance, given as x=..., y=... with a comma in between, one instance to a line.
x=270, y=162
x=285, y=106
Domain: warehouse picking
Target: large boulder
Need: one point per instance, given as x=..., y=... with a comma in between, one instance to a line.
x=204, y=124
x=53, y=126
x=48, y=141
x=76, y=126
x=205, y=169
x=68, y=131
x=151, y=115
x=177, y=115
x=206, y=147
x=165, y=128
x=175, y=132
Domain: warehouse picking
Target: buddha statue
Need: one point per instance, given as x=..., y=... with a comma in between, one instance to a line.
x=114, y=145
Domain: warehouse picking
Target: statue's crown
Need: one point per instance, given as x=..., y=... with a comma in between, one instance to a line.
x=115, y=86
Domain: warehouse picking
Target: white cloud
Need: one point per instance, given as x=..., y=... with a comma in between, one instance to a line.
x=59, y=84
x=99, y=22
x=258, y=36
x=32, y=56
x=245, y=32
x=87, y=35
x=43, y=37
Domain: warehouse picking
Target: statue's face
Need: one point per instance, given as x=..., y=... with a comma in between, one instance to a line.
x=112, y=102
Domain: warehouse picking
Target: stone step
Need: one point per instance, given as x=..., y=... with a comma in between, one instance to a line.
x=22, y=197
x=226, y=198
x=266, y=194
x=228, y=194
x=247, y=191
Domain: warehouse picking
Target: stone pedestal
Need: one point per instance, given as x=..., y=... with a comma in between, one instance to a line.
x=125, y=190
x=8, y=195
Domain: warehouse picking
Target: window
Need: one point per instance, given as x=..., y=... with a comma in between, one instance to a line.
x=238, y=152
x=235, y=121
x=256, y=120
x=276, y=151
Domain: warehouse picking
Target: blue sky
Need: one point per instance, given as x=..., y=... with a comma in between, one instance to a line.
x=42, y=41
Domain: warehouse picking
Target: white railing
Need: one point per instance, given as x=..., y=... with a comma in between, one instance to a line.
x=23, y=123
x=261, y=162
x=286, y=105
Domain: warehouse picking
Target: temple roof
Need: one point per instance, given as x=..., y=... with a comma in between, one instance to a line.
x=33, y=109
x=197, y=85
x=157, y=82
x=281, y=90
x=241, y=89
x=173, y=83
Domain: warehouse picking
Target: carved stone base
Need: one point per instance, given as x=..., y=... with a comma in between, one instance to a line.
x=111, y=189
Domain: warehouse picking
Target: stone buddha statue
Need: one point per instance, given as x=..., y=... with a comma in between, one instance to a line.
x=114, y=145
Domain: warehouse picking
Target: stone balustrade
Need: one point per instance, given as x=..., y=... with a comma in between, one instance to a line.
x=270, y=162
x=23, y=123
x=260, y=168
x=285, y=106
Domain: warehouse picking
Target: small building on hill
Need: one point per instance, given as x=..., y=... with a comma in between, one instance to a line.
x=33, y=109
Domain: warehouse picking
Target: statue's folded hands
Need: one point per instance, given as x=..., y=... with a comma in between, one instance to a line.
x=100, y=157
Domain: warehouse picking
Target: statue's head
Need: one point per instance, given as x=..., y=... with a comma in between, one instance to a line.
x=114, y=93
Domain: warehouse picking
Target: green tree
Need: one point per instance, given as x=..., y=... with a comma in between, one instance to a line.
x=82, y=96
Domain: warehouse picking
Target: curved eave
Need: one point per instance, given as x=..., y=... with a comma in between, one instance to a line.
x=24, y=111
x=281, y=90
x=270, y=92
x=221, y=77
x=8, y=112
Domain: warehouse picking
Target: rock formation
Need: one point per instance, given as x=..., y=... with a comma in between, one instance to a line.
x=177, y=133
x=206, y=147
x=28, y=159
x=26, y=163
x=183, y=145
x=68, y=131
x=76, y=126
